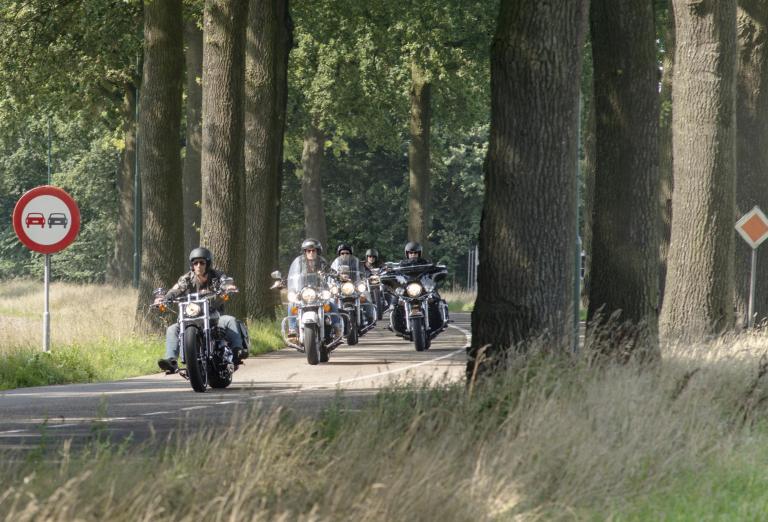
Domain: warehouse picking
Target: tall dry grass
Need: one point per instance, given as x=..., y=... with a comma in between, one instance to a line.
x=459, y=300
x=78, y=313
x=548, y=439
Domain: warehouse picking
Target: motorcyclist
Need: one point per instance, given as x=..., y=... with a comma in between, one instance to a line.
x=413, y=251
x=345, y=256
x=309, y=262
x=202, y=278
x=372, y=259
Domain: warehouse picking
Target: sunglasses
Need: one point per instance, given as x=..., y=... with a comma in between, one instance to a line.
x=344, y=253
x=198, y=262
x=311, y=250
x=412, y=252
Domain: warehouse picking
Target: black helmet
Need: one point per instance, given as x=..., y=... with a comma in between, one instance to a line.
x=372, y=252
x=343, y=246
x=412, y=246
x=201, y=253
x=312, y=243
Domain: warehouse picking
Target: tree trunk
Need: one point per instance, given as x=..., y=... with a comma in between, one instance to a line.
x=589, y=144
x=699, y=290
x=120, y=270
x=665, y=148
x=311, y=187
x=223, y=183
x=191, y=181
x=267, y=46
x=418, y=157
x=624, y=288
x=528, y=227
x=162, y=259
x=752, y=149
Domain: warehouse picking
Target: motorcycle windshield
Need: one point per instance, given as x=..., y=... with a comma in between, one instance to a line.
x=348, y=268
x=301, y=274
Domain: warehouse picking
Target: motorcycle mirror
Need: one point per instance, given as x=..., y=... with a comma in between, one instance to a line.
x=158, y=292
x=276, y=275
x=225, y=281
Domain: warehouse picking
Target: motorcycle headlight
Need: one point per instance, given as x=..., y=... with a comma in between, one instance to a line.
x=347, y=288
x=192, y=310
x=413, y=290
x=292, y=296
x=334, y=290
x=308, y=295
x=361, y=287
x=325, y=295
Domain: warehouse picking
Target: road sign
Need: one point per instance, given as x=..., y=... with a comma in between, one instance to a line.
x=46, y=219
x=753, y=227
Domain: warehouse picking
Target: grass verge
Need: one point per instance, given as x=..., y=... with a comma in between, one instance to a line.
x=459, y=301
x=547, y=439
x=91, y=336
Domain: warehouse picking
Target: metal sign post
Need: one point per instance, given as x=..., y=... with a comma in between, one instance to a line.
x=753, y=228
x=47, y=220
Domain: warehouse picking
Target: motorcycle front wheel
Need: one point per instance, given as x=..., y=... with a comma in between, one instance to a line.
x=312, y=344
x=197, y=366
x=419, y=334
x=353, y=336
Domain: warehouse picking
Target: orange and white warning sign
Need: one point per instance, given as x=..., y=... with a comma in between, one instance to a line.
x=753, y=227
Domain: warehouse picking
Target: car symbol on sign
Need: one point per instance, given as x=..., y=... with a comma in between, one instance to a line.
x=35, y=218
x=57, y=218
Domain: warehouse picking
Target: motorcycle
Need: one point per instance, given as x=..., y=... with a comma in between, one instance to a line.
x=350, y=288
x=310, y=305
x=419, y=313
x=204, y=349
x=376, y=289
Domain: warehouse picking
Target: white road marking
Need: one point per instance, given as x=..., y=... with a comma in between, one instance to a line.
x=61, y=425
x=467, y=335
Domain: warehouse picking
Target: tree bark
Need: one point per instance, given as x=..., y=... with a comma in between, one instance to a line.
x=752, y=148
x=311, y=187
x=665, y=148
x=589, y=143
x=191, y=180
x=267, y=45
x=223, y=183
x=418, y=157
x=699, y=290
x=162, y=257
x=528, y=227
x=624, y=288
x=120, y=270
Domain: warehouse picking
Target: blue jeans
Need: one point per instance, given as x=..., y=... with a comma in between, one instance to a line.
x=231, y=332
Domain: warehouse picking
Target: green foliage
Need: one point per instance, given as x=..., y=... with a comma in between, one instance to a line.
x=98, y=361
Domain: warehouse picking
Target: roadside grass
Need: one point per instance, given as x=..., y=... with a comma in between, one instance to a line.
x=91, y=335
x=547, y=439
x=459, y=300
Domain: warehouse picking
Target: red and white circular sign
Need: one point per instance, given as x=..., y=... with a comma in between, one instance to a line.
x=46, y=219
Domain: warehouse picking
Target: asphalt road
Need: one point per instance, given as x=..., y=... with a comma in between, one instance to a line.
x=155, y=406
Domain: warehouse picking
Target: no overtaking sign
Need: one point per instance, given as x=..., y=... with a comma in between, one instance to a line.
x=46, y=219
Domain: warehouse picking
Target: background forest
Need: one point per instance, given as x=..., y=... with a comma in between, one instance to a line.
x=69, y=74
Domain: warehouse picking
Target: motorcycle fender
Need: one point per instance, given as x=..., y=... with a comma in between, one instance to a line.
x=309, y=318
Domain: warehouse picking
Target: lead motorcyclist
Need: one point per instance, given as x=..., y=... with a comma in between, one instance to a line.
x=202, y=278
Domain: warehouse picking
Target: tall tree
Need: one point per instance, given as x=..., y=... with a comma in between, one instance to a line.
x=698, y=298
x=419, y=223
x=624, y=285
x=120, y=269
x=666, y=18
x=193, y=37
x=311, y=186
x=528, y=228
x=162, y=257
x=223, y=183
x=751, y=146
x=266, y=90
